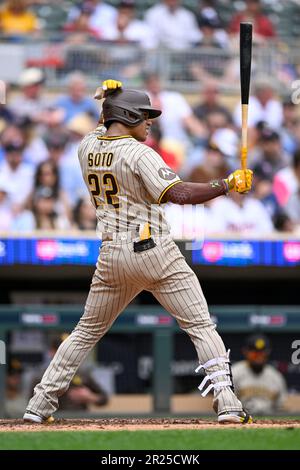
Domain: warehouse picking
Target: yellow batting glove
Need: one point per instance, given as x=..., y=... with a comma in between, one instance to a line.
x=107, y=86
x=111, y=84
x=240, y=181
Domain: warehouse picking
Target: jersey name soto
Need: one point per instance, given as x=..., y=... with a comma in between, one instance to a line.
x=100, y=159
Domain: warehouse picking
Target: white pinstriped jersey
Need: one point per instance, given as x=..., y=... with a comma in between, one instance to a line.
x=126, y=180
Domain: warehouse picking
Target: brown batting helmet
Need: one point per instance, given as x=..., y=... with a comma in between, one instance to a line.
x=127, y=107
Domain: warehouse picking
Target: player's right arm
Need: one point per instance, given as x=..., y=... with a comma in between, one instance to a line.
x=198, y=193
x=165, y=186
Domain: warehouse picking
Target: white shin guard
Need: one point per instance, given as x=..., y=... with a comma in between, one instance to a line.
x=224, y=371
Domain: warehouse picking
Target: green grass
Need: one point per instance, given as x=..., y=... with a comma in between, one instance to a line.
x=210, y=439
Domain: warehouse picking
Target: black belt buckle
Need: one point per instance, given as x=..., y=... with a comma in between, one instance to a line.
x=143, y=245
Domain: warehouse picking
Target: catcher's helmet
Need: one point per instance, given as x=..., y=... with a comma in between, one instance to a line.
x=127, y=107
x=258, y=342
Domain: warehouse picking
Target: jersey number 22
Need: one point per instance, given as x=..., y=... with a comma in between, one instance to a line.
x=110, y=189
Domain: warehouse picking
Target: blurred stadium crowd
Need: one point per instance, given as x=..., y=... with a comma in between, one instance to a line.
x=41, y=186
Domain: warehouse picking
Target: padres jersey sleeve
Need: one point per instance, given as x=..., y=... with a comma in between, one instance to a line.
x=156, y=176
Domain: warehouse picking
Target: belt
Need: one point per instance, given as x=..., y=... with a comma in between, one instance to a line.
x=139, y=231
x=120, y=236
x=138, y=245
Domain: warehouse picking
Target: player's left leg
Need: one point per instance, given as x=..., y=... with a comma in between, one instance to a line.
x=180, y=293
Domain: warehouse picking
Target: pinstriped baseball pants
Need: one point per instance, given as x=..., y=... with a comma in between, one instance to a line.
x=120, y=275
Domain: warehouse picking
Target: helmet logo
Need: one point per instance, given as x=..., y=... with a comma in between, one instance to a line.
x=260, y=344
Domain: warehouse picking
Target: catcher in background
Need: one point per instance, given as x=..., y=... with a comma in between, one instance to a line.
x=259, y=386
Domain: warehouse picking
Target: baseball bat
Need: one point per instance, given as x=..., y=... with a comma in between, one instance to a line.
x=245, y=72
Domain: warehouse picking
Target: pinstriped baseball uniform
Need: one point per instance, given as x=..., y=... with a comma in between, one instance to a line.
x=134, y=176
x=125, y=179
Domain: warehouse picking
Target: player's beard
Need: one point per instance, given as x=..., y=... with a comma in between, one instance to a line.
x=257, y=368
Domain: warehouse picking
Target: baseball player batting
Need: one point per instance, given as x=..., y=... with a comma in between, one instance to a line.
x=128, y=182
